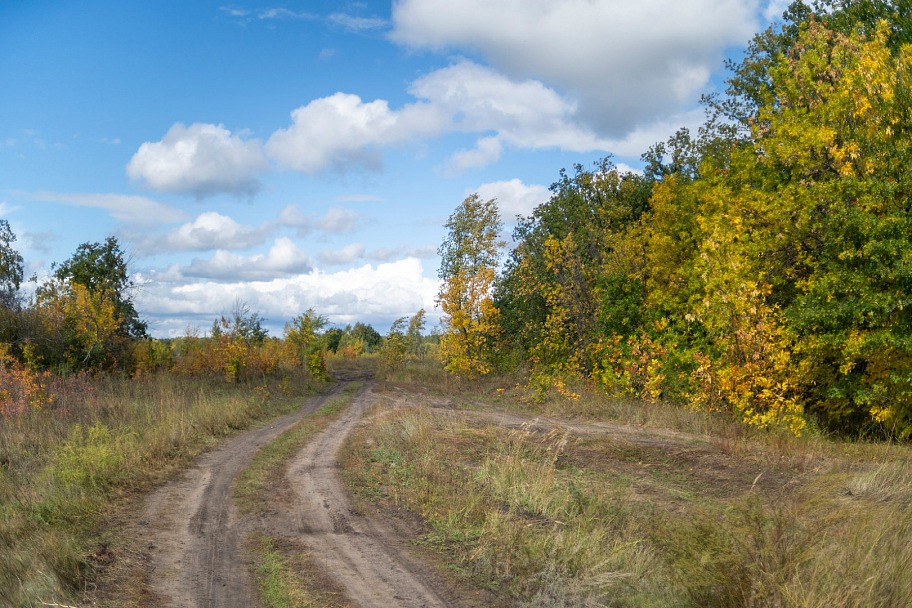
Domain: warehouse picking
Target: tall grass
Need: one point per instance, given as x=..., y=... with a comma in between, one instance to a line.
x=550, y=519
x=66, y=467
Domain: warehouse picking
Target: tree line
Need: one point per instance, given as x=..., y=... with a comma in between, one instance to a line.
x=761, y=266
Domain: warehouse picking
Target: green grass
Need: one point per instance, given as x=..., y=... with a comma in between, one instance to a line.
x=279, y=587
x=66, y=469
x=682, y=512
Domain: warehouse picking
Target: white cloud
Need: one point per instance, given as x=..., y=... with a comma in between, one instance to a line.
x=343, y=132
x=382, y=292
x=514, y=197
x=202, y=160
x=283, y=259
x=775, y=8
x=210, y=230
x=626, y=62
x=336, y=220
x=385, y=254
x=346, y=255
x=486, y=151
x=339, y=220
x=128, y=209
x=357, y=24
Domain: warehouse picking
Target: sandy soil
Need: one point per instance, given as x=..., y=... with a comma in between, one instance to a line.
x=362, y=554
x=190, y=533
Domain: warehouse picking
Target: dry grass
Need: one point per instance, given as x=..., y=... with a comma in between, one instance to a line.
x=664, y=507
x=65, y=469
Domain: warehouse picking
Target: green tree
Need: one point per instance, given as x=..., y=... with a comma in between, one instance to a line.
x=367, y=334
x=102, y=268
x=303, y=334
x=468, y=265
x=395, y=345
x=11, y=268
x=413, y=334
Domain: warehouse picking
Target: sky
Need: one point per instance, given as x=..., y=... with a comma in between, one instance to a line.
x=307, y=154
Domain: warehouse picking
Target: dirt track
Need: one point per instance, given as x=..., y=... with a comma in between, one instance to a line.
x=192, y=530
x=193, y=539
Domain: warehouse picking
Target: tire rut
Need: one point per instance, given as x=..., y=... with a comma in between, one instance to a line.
x=360, y=553
x=191, y=529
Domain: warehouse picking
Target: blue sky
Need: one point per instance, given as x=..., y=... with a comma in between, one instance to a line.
x=306, y=154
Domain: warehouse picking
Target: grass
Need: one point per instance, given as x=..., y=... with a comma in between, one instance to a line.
x=279, y=586
x=283, y=573
x=66, y=468
x=664, y=508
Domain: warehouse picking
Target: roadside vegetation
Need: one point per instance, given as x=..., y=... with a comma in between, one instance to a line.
x=628, y=503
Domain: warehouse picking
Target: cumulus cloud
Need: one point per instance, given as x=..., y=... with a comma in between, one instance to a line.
x=627, y=63
x=385, y=254
x=369, y=292
x=202, y=160
x=343, y=132
x=514, y=197
x=128, y=209
x=346, y=255
x=339, y=220
x=283, y=259
x=336, y=220
x=210, y=230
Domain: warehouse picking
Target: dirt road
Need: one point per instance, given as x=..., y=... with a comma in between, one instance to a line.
x=360, y=553
x=192, y=531
x=192, y=536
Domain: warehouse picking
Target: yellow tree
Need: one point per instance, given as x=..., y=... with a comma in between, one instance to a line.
x=468, y=266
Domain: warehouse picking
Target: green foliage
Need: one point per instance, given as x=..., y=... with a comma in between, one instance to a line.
x=11, y=267
x=762, y=268
x=102, y=269
x=468, y=262
x=395, y=345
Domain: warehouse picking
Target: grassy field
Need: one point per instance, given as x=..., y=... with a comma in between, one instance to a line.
x=614, y=502
x=66, y=468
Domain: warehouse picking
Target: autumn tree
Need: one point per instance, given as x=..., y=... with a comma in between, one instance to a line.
x=468, y=265
x=102, y=268
x=303, y=334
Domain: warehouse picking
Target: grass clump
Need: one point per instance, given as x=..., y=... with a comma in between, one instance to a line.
x=279, y=587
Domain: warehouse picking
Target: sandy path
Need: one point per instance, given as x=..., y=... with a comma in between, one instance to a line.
x=361, y=554
x=192, y=531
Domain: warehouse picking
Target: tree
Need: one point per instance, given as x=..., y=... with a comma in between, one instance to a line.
x=367, y=334
x=468, y=264
x=303, y=334
x=102, y=269
x=415, y=327
x=10, y=267
x=395, y=345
